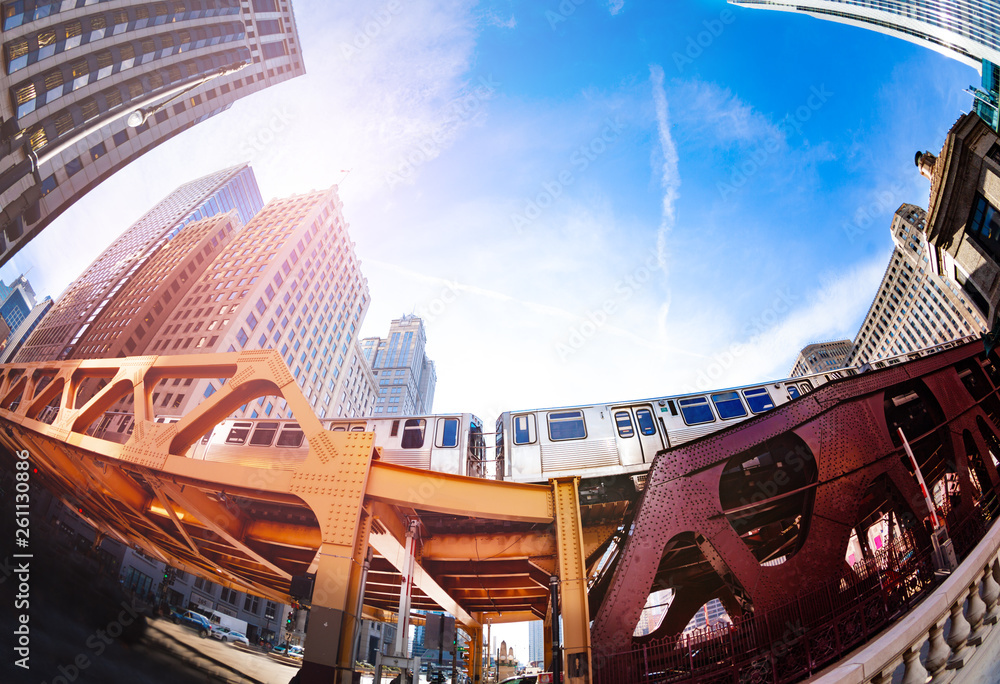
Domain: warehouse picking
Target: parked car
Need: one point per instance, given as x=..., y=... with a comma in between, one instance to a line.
x=237, y=638
x=193, y=620
x=288, y=650
x=541, y=678
x=228, y=635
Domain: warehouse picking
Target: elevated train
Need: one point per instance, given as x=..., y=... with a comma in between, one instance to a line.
x=611, y=446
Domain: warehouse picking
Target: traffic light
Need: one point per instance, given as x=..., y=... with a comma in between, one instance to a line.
x=290, y=622
x=465, y=656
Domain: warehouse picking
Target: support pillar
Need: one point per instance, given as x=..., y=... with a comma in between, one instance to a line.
x=573, y=606
x=400, y=647
x=333, y=484
x=476, y=655
x=547, y=640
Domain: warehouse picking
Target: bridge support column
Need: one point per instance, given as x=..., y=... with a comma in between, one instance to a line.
x=335, y=491
x=547, y=641
x=572, y=581
x=476, y=655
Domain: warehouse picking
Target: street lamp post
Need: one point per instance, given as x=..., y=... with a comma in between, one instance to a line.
x=137, y=116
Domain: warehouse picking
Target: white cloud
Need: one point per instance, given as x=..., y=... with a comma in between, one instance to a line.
x=615, y=6
x=788, y=321
x=670, y=180
x=494, y=19
x=709, y=107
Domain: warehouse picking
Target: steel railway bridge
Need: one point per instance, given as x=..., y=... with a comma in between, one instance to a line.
x=758, y=515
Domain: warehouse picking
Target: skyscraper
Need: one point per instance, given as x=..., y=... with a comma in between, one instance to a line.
x=967, y=30
x=86, y=298
x=536, y=643
x=914, y=308
x=23, y=331
x=75, y=70
x=151, y=295
x=406, y=377
x=16, y=303
x=821, y=357
x=288, y=280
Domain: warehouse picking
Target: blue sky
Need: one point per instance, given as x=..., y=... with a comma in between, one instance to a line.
x=585, y=206
x=620, y=201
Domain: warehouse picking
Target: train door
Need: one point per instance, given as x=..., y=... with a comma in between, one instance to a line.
x=638, y=438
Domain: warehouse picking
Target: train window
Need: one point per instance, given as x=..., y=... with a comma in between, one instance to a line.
x=728, y=405
x=339, y=428
x=446, y=433
x=647, y=425
x=696, y=410
x=238, y=433
x=805, y=386
x=358, y=428
x=413, y=433
x=395, y=428
x=264, y=434
x=624, y=422
x=291, y=436
x=673, y=409
x=758, y=399
x=793, y=391
x=566, y=425
x=524, y=429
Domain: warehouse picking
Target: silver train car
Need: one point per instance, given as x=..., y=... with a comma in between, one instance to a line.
x=609, y=442
x=447, y=443
x=611, y=446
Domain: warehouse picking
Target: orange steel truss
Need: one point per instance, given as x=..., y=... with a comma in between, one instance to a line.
x=486, y=552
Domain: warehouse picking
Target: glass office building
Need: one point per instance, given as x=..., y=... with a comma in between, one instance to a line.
x=967, y=30
x=89, y=295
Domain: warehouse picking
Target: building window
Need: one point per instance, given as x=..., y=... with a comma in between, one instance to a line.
x=73, y=166
x=49, y=184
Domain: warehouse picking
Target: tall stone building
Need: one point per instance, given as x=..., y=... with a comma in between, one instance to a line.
x=914, y=306
x=963, y=221
x=406, y=377
x=76, y=71
x=60, y=332
x=821, y=357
